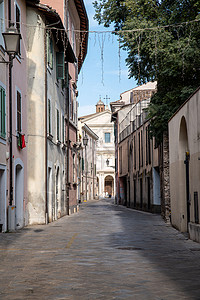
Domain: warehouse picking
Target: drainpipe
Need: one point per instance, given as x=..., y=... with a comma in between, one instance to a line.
x=10, y=123
x=68, y=144
x=45, y=134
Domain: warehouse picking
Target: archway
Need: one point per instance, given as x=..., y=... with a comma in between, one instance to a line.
x=109, y=186
x=184, y=170
x=19, y=196
x=97, y=187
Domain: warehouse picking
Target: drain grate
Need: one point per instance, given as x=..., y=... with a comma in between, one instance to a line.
x=130, y=248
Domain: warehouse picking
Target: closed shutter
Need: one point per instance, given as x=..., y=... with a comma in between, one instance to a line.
x=60, y=65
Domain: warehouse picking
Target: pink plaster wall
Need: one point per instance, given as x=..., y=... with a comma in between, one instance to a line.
x=57, y=5
x=19, y=83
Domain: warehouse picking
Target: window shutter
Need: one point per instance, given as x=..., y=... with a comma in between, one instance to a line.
x=49, y=112
x=3, y=113
x=58, y=125
x=19, y=112
x=60, y=65
x=63, y=129
x=83, y=164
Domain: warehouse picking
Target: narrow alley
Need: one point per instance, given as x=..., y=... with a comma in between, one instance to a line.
x=102, y=252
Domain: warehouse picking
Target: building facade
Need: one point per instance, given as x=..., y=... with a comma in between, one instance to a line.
x=75, y=21
x=13, y=98
x=138, y=160
x=100, y=123
x=87, y=174
x=184, y=151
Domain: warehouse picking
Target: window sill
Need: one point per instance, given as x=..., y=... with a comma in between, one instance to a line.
x=49, y=69
x=58, y=142
x=3, y=140
x=63, y=146
x=50, y=136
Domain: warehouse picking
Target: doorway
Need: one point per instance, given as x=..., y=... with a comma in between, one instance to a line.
x=19, y=196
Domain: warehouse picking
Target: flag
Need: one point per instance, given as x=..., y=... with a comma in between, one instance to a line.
x=21, y=141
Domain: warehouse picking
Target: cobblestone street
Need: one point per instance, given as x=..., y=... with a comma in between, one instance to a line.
x=102, y=252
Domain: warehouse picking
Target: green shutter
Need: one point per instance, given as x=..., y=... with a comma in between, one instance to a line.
x=2, y=112
x=63, y=129
x=49, y=112
x=60, y=65
x=58, y=125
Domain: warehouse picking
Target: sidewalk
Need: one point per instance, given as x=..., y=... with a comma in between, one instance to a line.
x=102, y=252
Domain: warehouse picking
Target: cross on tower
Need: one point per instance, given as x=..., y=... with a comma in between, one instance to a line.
x=106, y=98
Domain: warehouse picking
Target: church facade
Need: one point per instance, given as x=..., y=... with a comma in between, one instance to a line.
x=100, y=123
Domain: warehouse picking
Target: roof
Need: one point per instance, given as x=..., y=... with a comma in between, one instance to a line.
x=84, y=27
x=90, y=131
x=146, y=86
x=95, y=114
x=100, y=102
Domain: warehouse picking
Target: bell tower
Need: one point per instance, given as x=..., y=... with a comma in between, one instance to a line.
x=100, y=106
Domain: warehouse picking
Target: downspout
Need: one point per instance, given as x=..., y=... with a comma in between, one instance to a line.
x=68, y=144
x=45, y=134
x=10, y=123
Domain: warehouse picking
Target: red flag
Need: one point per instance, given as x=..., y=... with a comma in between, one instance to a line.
x=23, y=145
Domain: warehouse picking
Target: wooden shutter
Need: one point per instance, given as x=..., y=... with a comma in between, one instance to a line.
x=19, y=112
x=60, y=65
x=2, y=112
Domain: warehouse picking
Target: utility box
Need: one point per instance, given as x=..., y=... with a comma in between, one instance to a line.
x=11, y=218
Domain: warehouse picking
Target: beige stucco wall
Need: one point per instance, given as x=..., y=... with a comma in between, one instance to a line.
x=179, y=143
x=36, y=119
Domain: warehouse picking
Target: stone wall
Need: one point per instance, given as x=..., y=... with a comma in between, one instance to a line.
x=164, y=175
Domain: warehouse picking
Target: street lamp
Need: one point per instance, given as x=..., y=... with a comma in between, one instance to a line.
x=85, y=142
x=12, y=42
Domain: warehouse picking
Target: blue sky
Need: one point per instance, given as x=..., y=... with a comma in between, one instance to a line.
x=114, y=80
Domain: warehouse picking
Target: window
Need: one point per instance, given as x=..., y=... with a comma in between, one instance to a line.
x=134, y=146
x=49, y=116
x=18, y=20
x=73, y=179
x=19, y=112
x=1, y=22
x=2, y=112
x=63, y=129
x=60, y=65
x=73, y=39
x=70, y=104
x=141, y=149
x=107, y=137
x=49, y=51
x=58, y=124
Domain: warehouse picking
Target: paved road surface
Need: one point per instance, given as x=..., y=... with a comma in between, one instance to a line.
x=102, y=252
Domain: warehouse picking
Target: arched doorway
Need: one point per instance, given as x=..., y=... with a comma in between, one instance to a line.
x=184, y=172
x=57, y=196
x=109, y=186
x=97, y=187
x=19, y=196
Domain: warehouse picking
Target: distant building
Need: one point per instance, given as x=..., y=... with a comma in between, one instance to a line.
x=138, y=163
x=100, y=123
x=87, y=174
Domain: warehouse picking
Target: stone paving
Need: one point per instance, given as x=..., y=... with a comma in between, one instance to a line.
x=102, y=252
